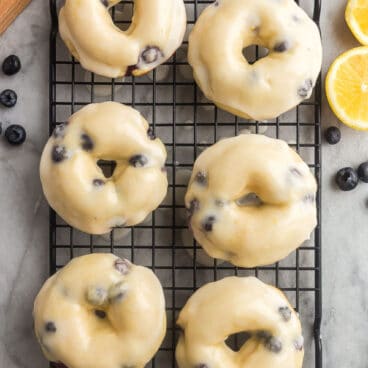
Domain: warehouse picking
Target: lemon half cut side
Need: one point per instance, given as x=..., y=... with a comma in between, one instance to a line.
x=347, y=87
x=356, y=16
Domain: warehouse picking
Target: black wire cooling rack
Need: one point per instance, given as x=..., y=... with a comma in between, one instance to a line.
x=187, y=123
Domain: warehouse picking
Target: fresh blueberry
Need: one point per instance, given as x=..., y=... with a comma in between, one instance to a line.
x=281, y=46
x=193, y=207
x=151, y=54
x=333, y=135
x=11, y=65
x=105, y=3
x=87, y=143
x=201, y=178
x=363, y=172
x=58, y=154
x=273, y=344
x=138, y=161
x=15, y=134
x=208, y=223
x=270, y=342
x=347, y=179
x=50, y=327
x=98, y=182
x=100, y=313
x=8, y=98
x=122, y=265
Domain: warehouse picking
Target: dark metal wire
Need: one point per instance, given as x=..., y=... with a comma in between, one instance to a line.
x=64, y=242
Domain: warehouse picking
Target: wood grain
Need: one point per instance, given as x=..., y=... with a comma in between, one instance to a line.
x=9, y=10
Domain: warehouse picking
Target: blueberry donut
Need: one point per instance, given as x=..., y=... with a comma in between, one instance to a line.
x=251, y=200
x=233, y=305
x=75, y=185
x=100, y=311
x=270, y=86
x=156, y=31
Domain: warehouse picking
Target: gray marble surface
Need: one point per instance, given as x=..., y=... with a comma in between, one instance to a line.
x=24, y=220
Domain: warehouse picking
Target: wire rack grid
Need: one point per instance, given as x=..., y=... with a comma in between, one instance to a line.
x=187, y=123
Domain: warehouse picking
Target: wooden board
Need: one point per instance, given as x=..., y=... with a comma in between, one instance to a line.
x=9, y=10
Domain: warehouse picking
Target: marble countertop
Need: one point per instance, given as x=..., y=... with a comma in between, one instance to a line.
x=24, y=212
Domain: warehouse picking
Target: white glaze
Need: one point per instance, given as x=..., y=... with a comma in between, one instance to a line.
x=251, y=235
x=233, y=305
x=131, y=332
x=118, y=132
x=109, y=51
x=270, y=86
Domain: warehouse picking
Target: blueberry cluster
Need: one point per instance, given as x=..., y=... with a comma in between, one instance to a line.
x=15, y=134
x=346, y=178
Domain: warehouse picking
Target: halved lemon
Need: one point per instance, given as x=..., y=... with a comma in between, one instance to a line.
x=356, y=16
x=347, y=88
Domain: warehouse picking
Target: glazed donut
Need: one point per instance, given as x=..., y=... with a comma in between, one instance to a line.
x=273, y=84
x=233, y=305
x=157, y=30
x=251, y=200
x=100, y=311
x=75, y=185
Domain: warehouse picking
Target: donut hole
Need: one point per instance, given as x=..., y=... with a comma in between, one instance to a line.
x=107, y=167
x=122, y=14
x=249, y=200
x=237, y=340
x=252, y=53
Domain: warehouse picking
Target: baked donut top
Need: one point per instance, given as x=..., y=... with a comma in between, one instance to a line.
x=251, y=200
x=77, y=188
x=234, y=305
x=156, y=31
x=273, y=84
x=100, y=311
x=252, y=163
